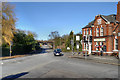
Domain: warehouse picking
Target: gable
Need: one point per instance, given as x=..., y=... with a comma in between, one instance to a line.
x=117, y=28
x=99, y=20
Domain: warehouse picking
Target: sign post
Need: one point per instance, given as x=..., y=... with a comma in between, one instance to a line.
x=72, y=43
x=11, y=43
x=77, y=39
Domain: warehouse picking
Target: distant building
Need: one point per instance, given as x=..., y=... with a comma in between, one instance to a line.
x=102, y=34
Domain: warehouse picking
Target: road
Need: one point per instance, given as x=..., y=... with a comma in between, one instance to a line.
x=46, y=65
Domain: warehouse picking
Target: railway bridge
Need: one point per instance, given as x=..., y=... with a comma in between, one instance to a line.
x=49, y=43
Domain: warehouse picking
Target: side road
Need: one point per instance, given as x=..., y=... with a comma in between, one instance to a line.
x=94, y=58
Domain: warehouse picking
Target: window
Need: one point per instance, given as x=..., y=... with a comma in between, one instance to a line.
x=91, y=32
x=116, y=44
x=84, y=38
x=101, y=44
x=86, y=46
x=90, y=38
x=97, y=31
x=97, y=44
x=84, y=32
x=99, y=21
x=101, y=31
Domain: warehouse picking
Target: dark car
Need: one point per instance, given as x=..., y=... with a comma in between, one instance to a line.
x=57, y=52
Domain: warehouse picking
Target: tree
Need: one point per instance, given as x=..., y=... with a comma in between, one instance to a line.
x=8, y=22
x=23, y=42
x=68, y=41
x=55, y=37
x=65, y=37
x=70, y=37
x=54, y=34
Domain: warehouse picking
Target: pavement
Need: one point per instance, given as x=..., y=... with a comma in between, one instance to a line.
x=46, y=65
x=99, y=59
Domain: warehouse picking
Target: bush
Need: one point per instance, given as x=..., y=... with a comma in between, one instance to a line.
x=5, y=51
x=23, y=43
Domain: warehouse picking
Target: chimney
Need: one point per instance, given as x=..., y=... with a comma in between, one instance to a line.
x=118, y=12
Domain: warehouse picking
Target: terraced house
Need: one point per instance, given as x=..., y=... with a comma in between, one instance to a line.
x=102, y=35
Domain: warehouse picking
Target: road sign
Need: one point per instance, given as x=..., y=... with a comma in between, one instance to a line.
x=77, y=46
x=77, y=38
x=68, y=48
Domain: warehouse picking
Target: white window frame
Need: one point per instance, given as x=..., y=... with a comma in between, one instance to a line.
x=99, y=21
x=87, y=46
x=101, y=45
x=101, y=31
x=84, y=31
x=97, y=31
x=86, y=37
x=90, y=31
x=115, y=44
x=97, y=44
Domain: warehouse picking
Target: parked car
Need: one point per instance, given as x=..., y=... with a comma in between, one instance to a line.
x=57, y=52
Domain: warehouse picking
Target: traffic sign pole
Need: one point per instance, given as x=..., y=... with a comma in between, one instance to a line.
x=10, y=50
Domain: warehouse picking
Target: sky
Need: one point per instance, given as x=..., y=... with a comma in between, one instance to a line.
x=45, y=17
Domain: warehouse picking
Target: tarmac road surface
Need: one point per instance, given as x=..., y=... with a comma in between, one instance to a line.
x=46, y=65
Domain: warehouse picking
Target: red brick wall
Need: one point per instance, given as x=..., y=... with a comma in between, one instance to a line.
x=118, y=18
x=94, y=31
x=119, y=39
x=108, y=31
x=118, y=11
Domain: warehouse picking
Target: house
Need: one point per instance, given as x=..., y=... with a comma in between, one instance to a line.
x=102, y=35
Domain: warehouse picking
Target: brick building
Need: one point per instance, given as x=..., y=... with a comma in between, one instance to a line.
x=102, y=34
